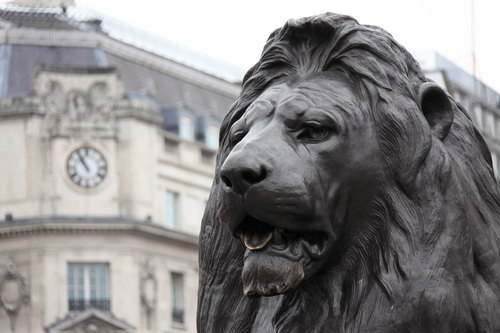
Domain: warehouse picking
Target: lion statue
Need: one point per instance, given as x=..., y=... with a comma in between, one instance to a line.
x=352, y=194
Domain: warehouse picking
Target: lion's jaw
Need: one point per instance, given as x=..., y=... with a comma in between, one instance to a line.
x=278, y=260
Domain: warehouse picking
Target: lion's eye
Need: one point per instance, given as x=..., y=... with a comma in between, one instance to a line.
x=236, y=137
x=314, y=133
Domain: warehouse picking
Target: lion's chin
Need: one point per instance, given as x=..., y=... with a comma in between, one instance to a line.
x=278, y=260
x=267, y=274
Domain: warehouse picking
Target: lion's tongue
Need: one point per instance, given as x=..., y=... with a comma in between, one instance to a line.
x=256, y=240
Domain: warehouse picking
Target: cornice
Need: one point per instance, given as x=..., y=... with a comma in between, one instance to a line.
x=20, y=106
x=126, y=108
x=71, y=226
x=77, y=38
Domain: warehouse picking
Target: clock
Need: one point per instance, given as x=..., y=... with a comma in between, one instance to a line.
x=86, y=167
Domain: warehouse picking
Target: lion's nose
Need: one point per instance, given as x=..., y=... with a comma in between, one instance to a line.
x=239, y=173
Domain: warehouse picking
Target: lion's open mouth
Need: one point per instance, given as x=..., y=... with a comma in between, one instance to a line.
x=257, y=235
x=277, y=259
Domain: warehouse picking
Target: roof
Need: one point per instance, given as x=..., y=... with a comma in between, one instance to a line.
x=24, y=59
x=84, y=39
x=78, y=18
x=40, y=18
x=169, y=90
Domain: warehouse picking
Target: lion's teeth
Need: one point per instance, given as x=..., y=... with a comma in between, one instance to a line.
x=256, y=241
x=277, y=239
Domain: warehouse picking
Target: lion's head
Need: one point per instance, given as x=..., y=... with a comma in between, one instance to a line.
x=304, y=166
x=344, y=173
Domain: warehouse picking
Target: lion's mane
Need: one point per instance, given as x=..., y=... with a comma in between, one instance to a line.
x=442, y=206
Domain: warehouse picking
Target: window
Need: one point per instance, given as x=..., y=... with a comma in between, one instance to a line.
x=490, y=124
x=88, y=287
x=478, y=114
x=212, y=137
x=171, y=209
x=177, y=298
x=5, y=52
x=186, y=128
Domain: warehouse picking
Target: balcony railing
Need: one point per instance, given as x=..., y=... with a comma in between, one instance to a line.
x=178, y=315
x=80, y=304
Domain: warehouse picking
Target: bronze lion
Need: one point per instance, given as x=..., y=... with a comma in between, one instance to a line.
x=352, y=191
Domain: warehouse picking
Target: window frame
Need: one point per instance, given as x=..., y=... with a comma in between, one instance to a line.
x=175, y=222
x=186, y=128
x=212, y=137
x=84, y=290
x=478, y=115
x=178, y=312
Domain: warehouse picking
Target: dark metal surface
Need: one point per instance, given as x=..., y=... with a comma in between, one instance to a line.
x=352, y=192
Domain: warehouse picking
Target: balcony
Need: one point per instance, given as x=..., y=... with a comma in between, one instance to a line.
x=80, y=304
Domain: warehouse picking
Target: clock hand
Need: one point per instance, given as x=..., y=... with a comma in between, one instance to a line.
x=83, y=161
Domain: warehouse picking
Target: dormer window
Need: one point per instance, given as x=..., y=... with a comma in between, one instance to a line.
x=212, y=137
x=186, y=128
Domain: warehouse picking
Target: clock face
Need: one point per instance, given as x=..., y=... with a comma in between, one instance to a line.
x=86, y=167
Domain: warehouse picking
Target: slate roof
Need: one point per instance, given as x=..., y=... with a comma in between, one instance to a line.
x=18, y=62
x=25, y=58
x=41, y=19
x=169, y=90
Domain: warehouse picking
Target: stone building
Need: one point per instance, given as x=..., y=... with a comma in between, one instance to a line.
x=107, y=150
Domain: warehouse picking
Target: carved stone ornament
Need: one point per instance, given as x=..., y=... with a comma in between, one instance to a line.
x=78, y=106
x=77, y=94
x=54, y=99
x=84, y=103
x=148, y=286
x=99, y=97
x=14, y=291
x=352, y=194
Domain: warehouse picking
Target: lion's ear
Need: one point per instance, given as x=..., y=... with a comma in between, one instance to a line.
x=436, y=107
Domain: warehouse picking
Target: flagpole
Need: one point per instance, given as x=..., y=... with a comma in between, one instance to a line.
x=473, y=44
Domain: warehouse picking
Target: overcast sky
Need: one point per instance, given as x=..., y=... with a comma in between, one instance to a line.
x=235, y=31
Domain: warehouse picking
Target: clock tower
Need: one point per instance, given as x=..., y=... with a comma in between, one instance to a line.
x=84, y=128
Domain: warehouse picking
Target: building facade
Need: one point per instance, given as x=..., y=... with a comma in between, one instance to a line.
x=107, y=159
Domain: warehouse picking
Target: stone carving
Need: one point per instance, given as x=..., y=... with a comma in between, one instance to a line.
x=77, y=94
x=99, y=97
x=353, y=191
x=83, y=103
x=77, y=104
x=14, y=291
x=148, y=287
x=91, y=328
x=54, y=99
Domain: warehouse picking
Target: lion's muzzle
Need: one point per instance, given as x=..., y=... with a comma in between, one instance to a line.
x=241, y=170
